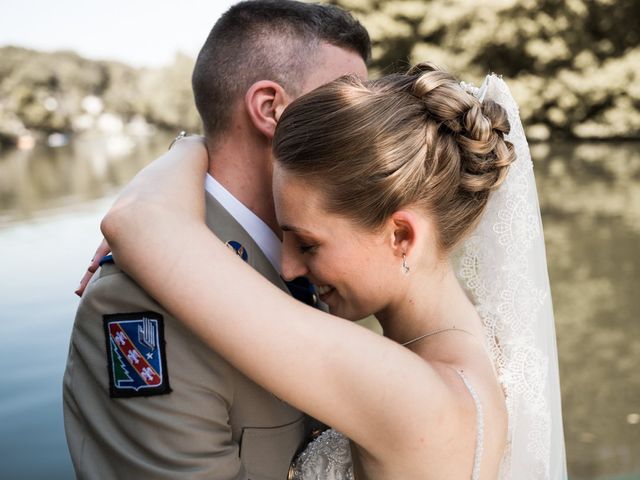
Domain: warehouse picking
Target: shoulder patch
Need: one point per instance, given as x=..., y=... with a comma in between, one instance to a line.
x=136, y=354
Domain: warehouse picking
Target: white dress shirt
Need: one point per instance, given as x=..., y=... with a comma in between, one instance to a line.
x=264, y=237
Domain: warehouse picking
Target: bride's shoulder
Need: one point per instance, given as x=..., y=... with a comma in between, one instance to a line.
x=471, y=382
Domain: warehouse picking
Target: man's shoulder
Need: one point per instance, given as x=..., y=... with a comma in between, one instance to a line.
x=219, y=220
x=110, y=278
x=224, y=226
x=108, y=267
x=114, y=295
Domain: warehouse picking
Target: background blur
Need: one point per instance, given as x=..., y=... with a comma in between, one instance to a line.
x=74, y=127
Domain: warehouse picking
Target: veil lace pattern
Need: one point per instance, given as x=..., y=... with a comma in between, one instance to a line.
x=502, y=266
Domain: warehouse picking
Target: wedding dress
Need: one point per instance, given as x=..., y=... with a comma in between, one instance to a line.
x=502, y=266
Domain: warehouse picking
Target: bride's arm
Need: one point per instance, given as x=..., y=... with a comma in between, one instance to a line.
x=378, y=393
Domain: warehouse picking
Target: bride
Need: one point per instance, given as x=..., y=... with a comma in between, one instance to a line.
x=401, y=198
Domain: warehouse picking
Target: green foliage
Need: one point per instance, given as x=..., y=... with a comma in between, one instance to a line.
x=44, y=91
x=169, y=99
x=574, y=65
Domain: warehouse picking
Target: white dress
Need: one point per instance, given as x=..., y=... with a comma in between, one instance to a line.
x=328, y=457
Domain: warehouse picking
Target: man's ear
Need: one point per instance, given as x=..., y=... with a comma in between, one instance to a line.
x=265, y=101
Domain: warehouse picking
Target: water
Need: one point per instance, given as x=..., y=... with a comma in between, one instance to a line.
x=590, y=196
x=51, y=201
x=40, y=261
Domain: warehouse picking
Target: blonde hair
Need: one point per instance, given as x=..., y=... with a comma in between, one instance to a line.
x=413, y=139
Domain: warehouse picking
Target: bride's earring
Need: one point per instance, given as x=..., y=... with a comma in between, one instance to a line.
x=405, y=267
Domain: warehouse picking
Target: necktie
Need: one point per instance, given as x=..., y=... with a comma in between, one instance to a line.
x=303, y=290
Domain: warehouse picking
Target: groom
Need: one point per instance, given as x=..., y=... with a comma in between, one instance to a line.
x=143, y=397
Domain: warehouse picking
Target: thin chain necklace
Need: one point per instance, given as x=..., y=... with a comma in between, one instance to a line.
x=435, y=332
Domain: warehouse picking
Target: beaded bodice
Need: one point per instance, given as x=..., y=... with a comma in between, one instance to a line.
x=328, y=457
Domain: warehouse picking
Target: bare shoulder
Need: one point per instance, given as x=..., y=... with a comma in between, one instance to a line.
x=478, y=405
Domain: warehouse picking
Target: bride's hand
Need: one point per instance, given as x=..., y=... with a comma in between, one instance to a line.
x=190, y=151
x=183, y=167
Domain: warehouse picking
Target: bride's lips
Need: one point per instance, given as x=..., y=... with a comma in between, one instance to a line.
x=324, y=291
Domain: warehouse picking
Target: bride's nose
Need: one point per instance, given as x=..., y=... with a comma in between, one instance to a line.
x=292, y=264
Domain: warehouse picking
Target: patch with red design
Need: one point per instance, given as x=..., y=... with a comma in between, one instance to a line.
x=136, y=356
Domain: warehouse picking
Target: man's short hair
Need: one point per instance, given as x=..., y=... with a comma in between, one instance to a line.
x=266, y=40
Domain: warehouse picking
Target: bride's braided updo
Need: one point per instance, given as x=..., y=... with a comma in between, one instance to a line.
x=414, y=139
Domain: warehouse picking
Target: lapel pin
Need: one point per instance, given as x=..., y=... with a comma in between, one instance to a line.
x=238, y=249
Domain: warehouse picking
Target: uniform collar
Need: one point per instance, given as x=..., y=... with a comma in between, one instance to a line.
x=259, y=231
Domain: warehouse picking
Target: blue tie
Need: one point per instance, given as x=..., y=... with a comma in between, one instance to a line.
x=303, y=290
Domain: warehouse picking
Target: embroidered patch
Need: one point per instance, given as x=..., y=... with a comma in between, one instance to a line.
x=238, y=248
x=136, y=356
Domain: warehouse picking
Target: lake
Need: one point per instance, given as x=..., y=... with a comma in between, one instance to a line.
x=52, y=199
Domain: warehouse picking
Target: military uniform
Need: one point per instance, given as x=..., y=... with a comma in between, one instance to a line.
x=145, y=398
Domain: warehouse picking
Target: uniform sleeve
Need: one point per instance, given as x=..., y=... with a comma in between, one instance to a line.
x=184, y=433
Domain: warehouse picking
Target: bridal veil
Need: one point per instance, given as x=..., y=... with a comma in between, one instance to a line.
x=502, y=266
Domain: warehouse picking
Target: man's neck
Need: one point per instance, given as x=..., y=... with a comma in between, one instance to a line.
x=246, y=174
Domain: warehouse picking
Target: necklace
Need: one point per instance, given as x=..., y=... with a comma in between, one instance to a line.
x=435, y=332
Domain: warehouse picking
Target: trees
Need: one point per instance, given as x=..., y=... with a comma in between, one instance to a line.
x=44, y=92
x=573, y=65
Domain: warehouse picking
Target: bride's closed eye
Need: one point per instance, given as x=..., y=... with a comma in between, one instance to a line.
x=302, y=242
x=305, y=245
x=306, y=248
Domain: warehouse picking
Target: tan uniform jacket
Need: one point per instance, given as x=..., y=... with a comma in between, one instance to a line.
x=215, y=423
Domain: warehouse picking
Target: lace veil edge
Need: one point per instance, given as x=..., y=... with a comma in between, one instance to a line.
x=502, y=266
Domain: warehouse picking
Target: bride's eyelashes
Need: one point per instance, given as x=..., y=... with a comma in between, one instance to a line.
x=303, y=248
x=305, y=245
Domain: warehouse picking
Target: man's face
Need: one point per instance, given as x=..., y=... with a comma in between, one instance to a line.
x=333, y=62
